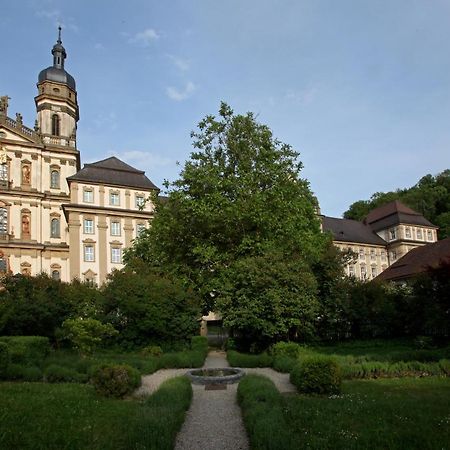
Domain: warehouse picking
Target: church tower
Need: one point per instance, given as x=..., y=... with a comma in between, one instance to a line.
x=56, y=102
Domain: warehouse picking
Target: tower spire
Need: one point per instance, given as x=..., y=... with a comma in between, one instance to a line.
x=59, y=52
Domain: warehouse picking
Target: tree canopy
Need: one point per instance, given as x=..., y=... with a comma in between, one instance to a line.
x=430, y=196
x=239, y=199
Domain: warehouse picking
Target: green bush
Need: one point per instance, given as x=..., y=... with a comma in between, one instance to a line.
x=289, y=349
x=27, y=349
x=423, y=342
x=5, y=357
x=262, y=411
x=116, y=380
x=199, y=343
x=191, y=358
x=16, y=372
x=60, y=374
x=237, y=359
x=444, y=364
x=317, y=375
x=152, y=350
x=283, y=363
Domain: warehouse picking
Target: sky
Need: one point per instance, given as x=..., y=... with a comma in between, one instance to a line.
x=360, y=88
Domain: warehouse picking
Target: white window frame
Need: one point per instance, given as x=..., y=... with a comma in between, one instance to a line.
x=89, y=256
x=139, y=201
x=88, y=195
x=116, y=255
x=113, y=196
x=116, y=228
x=87, y=229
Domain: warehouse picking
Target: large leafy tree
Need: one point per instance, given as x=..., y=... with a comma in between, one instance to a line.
x=239, y=199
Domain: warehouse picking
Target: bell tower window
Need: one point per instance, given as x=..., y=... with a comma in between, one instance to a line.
x=55, y=125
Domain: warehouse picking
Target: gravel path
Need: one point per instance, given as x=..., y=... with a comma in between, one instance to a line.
x=214, y=420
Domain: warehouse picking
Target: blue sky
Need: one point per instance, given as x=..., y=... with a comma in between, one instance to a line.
x=360, y=88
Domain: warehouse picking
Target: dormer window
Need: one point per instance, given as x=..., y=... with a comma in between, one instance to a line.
x=393, y=234
x=55, y=125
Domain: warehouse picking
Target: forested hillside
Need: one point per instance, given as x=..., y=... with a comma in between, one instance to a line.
x=430, y=196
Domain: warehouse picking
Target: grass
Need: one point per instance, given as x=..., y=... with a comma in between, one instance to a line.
x=370, y=414
x=71, y=416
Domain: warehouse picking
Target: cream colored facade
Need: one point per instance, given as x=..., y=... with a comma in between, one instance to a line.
x=44, y=214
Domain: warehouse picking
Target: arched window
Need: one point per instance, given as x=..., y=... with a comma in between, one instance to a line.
x=54, y=179
x=56, y=275
x=3, y=220
x=55, y=228
x=55, y=124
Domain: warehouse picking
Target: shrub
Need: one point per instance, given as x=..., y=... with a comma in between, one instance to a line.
x=152, y=350
x=27, y=349
x=444, y=364
x=283, y=363
x=182, y=359
x=59, y=374
x=237, y=359
x=199, y=343
x=423, y=342
x=5, y=357
x=262, y=411
x=289, y=349
x=16, y=372
x=317, y=375
x=116, y=380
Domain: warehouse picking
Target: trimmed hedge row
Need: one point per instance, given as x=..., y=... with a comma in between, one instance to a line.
x=27, y=349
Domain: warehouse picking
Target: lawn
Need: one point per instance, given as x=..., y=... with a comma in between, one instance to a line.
x=72, y=416
x=407, y=413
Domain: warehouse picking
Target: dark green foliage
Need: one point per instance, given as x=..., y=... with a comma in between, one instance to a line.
x=115, y=381
x=237, y=359
x=262, y=411
x=5, y=357
x=240, y=226
x=152, y=350
x=289, y=349
x=188, y=358
x=17, y=372
x=72, y=416
x=60, y=374
x=27, y=349
x=199, y=343
x=37, y=306
x=430, y=197
x=283, y=363
x=146, y=306
x=317, y=375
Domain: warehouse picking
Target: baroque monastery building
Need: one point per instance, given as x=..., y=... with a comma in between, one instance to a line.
x=75, y=223
x=54, y=217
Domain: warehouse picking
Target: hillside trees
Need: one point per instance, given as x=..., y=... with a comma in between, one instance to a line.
x=430, y=196
x=240, y=226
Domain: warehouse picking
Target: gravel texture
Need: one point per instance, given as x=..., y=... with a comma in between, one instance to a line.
x=214, y=420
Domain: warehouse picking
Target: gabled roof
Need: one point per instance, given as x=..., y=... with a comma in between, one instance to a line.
x=394, y=213
x=418, y=260
x=113, y=171
x=346, y=230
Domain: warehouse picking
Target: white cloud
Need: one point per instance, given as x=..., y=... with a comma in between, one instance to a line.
x=180, y=95
x=144, y=38
x=180, y=63
x=55, y=16
x=304, y=96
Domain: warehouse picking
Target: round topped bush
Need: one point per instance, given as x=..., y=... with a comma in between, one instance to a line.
x=115, y=380
x=317, y=375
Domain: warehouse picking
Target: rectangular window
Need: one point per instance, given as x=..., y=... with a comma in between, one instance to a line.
x=392, y=234
x=373, y=255
x=419, y=233
x=139, y=201
x=393, y=255
x=89, y=255
x=88, y=196
x=383, y=255
x=351, y=270
x=115, y=228
x=429, y=235
x=363, y=272
x=361, y=253
x=114, y=199
x=140, y=227
x=116, y=255
x=374, y=272
x=408, y=233
x=88, y=226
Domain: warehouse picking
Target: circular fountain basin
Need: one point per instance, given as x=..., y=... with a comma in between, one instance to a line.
x=225, y=375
